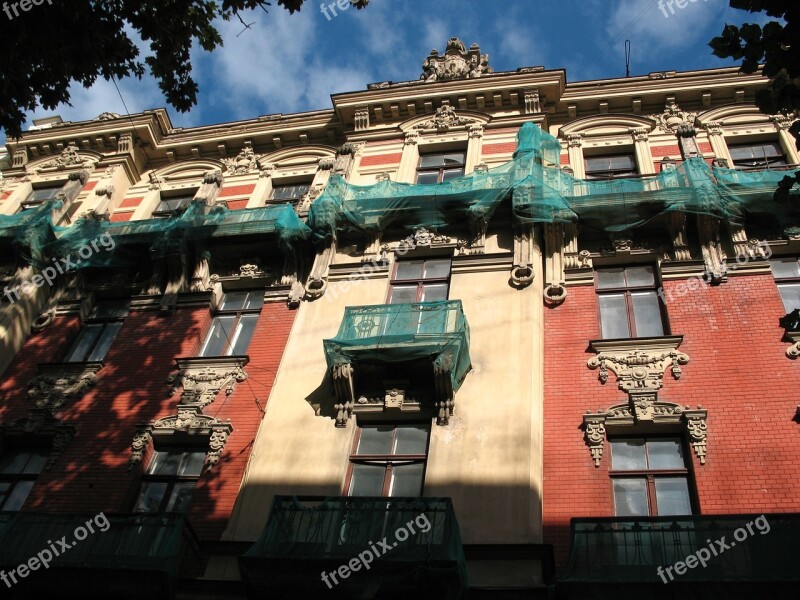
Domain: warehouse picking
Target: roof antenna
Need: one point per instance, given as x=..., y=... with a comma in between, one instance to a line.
x=627, y=58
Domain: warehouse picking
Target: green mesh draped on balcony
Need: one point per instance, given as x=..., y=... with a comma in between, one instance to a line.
x=30, y=230
x=389, y=333
x=305, y=536
x=132, y=242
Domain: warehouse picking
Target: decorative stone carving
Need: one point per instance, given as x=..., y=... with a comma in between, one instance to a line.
x=245, y=162
x=200, y=277
x=713, y=128
x=555, y=291
x=676, y=222
x=673, y=117
x=125, y=143
x=424, y=238
x=361, y=117
x=714, y=255
x=202, y=378
x=317, y=281
x=782, y=121
x=106, y=116
x=58, y=383
x=532, y=102
x=445, y=119
x=40, y=426
x=639, y=364
x=456, y=63
x=68, y=158
x=522, y=272
x=640, y=134
x=344, y=386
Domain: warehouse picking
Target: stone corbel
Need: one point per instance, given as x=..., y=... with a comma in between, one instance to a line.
x=344, y=386
x=59, y=383
x=687, y=140
x=209, y=190
x=39, y=427
x=202, y=378
x=793, y=351
x=522, y=272
x=572, y=258
x=201, y=281
x=317, y=281
x=676, y=222
x=345, y=158
x=713, y=254
x=555, y=291
x=638, y=363
x=445, y=398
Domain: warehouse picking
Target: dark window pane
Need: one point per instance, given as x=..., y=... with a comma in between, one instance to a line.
x=665, y=453
x=403, y=294
x=17, y=497
x=614, y=316
x=647, y=314
x=219, y=336
x=406, y=480
x=449, y=174
x=244, y=333
x=790, y=294
x=110, y=309
x=610, y=278
x=411, y=439
x=428, y=178
x=107, y=336
x=181, y=497
x=40, y=195
x=630, y=497
x=672, y=496
x=289, y=192
x=192, y=463
x=433, y=292
x=151, y=496
x=409, y=269
x=83, y=344
x=14, y=462
x=640, y=276
x=785, y=267
x=367, y=480
x=437, y=269
x=165, y=463
x=35, y=464
x=237, y=301
x=376, y=440
x=173, y=203
x=628, y=455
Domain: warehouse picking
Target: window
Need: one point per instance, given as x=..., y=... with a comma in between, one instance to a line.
x=41, y=195
x=610, y=167
x=787, y=277
x=629, y=304
x=420, y=281
x=99, y=331
x=18, y=471
x=168, y=205
x=757, y=156
x=388, y=460
x=289, y=193
x=170, y=481
x=441, y=166
x=234, y=324
x=649, y=477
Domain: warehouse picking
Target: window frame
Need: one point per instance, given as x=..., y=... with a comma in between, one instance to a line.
x=420, y=282
x=782, y=160
x=168, y=197
x=441, y=169
x=629, y=310
x=106, y=323
x=172, y=480
x=294, y=200
x=387, y=460
x=15, y=479
x=784, y=280
x=28, y=204
x=607, y=174
x=650, y=475
x=239, y=313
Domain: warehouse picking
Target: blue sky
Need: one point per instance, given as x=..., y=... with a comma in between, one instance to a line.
x=291, y=63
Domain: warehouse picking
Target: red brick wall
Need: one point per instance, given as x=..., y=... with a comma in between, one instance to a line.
x=737, y=370
x=92, y=474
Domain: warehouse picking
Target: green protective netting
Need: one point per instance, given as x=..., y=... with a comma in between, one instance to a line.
x=388, y=333
x=30, y=230
x=305, y=536
x=751, y=196
x=129, y=243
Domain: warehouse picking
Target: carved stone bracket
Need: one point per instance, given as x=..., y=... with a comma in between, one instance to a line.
x=58, y=383
x=555, y=291
x=713, y=253
x=673, y=117
x=39, y=427
x=645, y=408
x=676, y=222
x=317, y=281
x=202, y=378
x=639, y=363
x=522, y=272
x=245, y=162
x=344, y=387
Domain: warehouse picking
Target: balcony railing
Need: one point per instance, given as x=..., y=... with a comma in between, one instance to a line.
x=137, y=553
x=760, y=548
x=304, y=536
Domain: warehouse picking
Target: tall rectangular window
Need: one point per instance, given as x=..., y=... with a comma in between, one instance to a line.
x=388, y=460
x=649, y=477
x=168, y=205
x=234, y=324
x=39, y=196
x=763, y=155
x=787, y=277
x=629, y=303
x=101, y=327
x=441, y=166
x=18, y=472
x=289, y=193
x=170, y=480
x=611, y=166
x=420, y=281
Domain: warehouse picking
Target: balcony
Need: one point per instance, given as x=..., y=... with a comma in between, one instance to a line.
x=620, y=557
x=138, y=555
x=305, y=537
x=381, y=349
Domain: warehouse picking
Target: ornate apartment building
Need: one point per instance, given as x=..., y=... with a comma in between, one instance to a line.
x=485, y=333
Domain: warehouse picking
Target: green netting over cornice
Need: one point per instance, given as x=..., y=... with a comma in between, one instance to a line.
x=123, y=243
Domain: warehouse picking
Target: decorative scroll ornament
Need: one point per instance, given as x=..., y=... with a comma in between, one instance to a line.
x=203, y=378
x=456, y=63
x=68, y=158
x=245, y=162
x=445, y=119
x=673, y=117
x=58, y=383
x=639, y=364
x=106, y=116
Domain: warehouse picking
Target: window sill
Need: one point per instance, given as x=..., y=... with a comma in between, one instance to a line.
x=663, y=342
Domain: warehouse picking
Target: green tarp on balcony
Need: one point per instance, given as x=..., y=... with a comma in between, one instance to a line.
x=306, y=536
x=389, y=333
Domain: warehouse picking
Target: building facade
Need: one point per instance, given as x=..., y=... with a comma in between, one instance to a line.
x=496, y=334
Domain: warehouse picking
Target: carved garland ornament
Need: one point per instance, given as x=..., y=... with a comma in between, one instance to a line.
x=445, y=119
x=58, y=383
x=203, y=378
